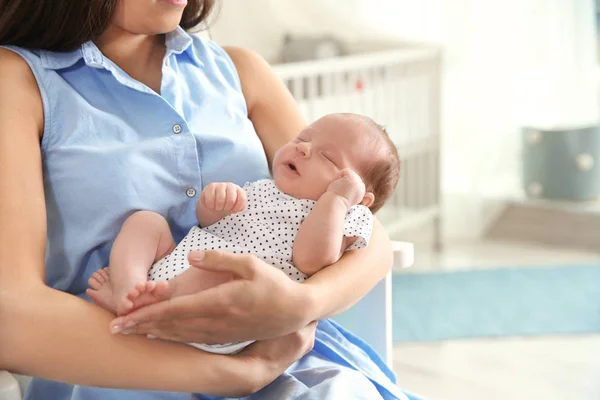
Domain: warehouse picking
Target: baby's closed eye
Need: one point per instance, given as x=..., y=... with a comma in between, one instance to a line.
x=329, y=158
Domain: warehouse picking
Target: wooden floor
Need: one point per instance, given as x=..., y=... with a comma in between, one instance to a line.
x=527, y=368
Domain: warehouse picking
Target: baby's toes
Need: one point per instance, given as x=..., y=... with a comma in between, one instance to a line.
x=161, y=291
x=125, y=305
x=96, y=281
x=134, y=292
x=105, y=272
x=150, y=286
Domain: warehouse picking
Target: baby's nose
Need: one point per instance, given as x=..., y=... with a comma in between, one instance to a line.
x=303, y=148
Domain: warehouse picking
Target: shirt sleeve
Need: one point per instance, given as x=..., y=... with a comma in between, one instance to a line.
x=359, y=224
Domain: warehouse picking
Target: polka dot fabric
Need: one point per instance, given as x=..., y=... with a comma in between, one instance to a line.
x=266, y=229
x=359, y=224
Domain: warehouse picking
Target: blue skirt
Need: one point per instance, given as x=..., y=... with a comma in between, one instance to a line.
x=341, y=366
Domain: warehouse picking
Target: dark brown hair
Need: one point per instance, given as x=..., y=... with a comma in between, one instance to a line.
x=382, y=175
x=62, y=25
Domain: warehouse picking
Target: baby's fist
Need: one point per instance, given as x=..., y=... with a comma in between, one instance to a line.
x=223, y=196
x=349, y=186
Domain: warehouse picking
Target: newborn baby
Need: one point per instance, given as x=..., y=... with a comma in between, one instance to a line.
x=326, y=184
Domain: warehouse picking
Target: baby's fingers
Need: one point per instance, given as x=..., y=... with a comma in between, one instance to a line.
x=240, y=204
x=220, y=197
x=346, y=172
x=207, y=197
x=230, y=198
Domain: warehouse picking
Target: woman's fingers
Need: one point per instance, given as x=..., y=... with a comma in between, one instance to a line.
x=186, y=331
x=203, y=304
x=286, y=349
x=240, y=265
x=210, y=302
x=227, y=312
x=178, y=335
x=209, y=330
x=304, y=339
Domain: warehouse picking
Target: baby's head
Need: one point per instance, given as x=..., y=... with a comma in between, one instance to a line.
x=305, y=167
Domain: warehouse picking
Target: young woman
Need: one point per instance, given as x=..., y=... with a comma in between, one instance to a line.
x=108, y=107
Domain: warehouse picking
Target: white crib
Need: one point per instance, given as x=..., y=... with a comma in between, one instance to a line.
x=399, y=87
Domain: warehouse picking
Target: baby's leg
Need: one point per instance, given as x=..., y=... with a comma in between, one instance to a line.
x=144, y=238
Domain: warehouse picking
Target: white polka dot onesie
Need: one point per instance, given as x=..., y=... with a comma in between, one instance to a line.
x=266, y=229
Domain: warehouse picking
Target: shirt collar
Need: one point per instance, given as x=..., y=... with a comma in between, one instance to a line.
x=60, y=60
x=177, y=42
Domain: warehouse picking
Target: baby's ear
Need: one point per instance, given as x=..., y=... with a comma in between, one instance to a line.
x=368, y=200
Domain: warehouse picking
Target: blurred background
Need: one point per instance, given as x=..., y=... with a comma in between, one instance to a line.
x=494, y=108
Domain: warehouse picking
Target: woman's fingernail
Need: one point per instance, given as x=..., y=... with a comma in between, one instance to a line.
x=129, y=324
x=150, y=336
x=197, y=256
x=116, y=329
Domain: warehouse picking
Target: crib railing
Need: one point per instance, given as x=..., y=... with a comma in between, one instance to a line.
x=400, y=89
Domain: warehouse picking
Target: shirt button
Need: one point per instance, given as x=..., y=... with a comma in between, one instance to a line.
x=176, y=128
x=191, y=192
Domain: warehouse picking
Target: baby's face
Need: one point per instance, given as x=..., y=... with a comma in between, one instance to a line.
x=305, y=167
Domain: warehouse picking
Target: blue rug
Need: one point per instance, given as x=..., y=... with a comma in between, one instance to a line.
x=493, y=303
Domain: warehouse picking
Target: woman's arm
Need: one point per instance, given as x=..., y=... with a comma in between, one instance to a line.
x=338, y=287
x=54, y=335
x=277, y=120
x=271, y=107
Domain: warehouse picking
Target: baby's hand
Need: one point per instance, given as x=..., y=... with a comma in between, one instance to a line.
x=223, y=196
x=349, y=186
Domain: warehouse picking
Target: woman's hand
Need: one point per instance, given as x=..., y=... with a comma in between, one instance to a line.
x=260, y=303
x=272, y=357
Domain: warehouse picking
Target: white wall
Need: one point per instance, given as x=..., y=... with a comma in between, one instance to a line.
x=261, y=24
x=248, y=23
x=507, y=64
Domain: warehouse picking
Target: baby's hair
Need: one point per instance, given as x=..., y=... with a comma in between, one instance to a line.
x=381, y=176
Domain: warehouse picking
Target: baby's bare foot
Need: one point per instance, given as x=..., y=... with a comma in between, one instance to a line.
x=143, y=294
x=101, y=290
x=104, y=295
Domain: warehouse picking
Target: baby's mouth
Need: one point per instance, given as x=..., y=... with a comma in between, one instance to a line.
x=293, y=168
